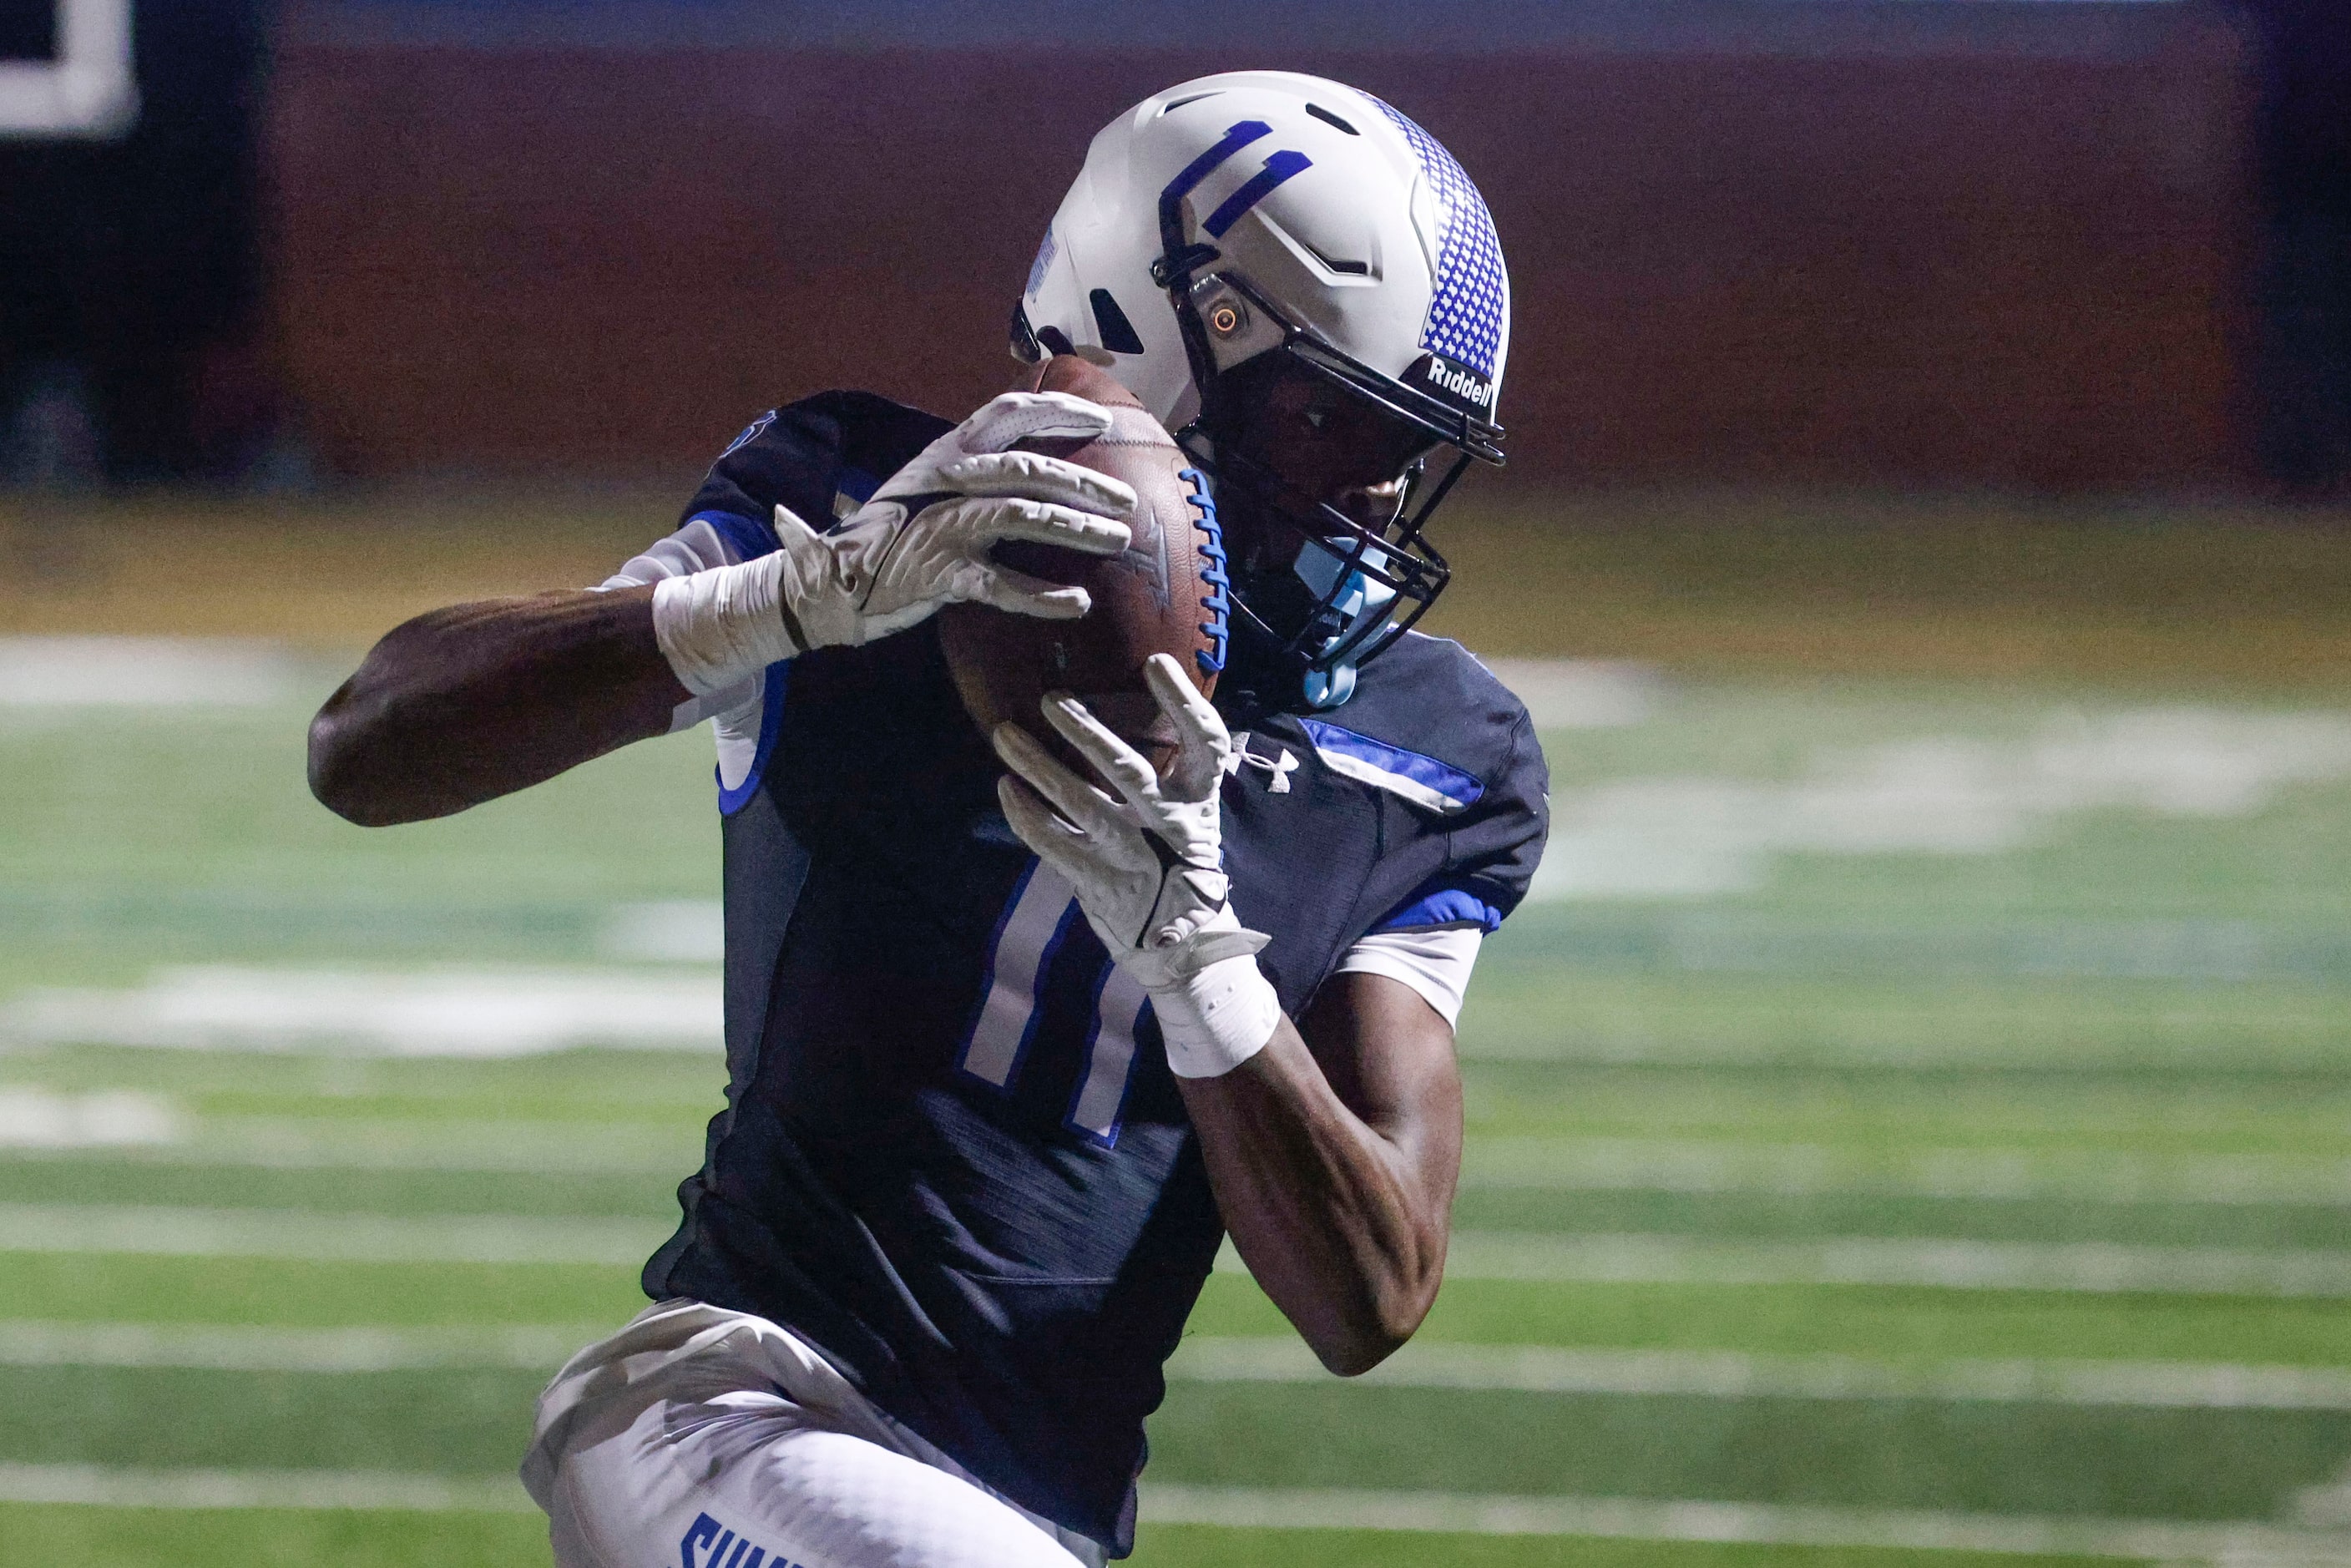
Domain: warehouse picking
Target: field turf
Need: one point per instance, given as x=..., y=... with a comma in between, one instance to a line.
x=1913, y=1125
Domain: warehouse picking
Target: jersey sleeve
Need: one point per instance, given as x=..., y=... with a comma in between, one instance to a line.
x=1430, y=939
x=820, y=458
x=1434, y=960
x=1491, y=849
x=703, y=541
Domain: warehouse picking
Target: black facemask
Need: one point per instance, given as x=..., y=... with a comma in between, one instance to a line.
x=1317, y=590
x=1320, y=592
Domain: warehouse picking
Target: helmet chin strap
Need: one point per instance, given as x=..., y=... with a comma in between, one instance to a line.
x=1353, y=604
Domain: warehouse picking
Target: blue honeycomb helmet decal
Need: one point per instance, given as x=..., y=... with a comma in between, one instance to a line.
x=1465, y=318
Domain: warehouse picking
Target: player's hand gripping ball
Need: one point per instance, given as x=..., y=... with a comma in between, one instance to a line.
x=924, y=539
x=1163, y=593
x=1146, y=856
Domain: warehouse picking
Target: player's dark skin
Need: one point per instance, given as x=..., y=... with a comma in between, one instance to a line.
x=1333, y=1152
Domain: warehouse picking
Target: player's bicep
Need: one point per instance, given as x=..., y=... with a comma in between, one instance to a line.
x=1388, y=1056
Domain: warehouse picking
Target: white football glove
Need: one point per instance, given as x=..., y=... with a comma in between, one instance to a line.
x=1149, y=866
x=920, y=542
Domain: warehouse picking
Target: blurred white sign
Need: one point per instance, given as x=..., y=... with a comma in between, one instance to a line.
x=88, y=91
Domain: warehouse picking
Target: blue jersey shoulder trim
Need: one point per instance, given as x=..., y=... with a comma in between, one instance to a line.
x=1424, y=780
x=1435, y=905
x=748, y=538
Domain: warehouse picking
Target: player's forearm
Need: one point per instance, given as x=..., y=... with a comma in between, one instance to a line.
x=1344, y=1224
x=466, y=704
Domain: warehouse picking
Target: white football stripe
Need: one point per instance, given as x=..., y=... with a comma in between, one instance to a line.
x=1733, y=1374
x=1774, y=1524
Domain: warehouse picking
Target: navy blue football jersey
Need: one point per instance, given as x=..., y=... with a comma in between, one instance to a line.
x=952, y=1158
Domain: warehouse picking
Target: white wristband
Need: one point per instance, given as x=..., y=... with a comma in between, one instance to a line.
x=718, y=628
x=1217, y=1019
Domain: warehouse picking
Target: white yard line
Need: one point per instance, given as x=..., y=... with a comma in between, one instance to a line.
x=68, y=674
x=46, y=1121
x=1624, y=1518
x=338, y=1143
x=1946, y=1263
x=1939, y=1262
x=105, y=1486
x=1519, y=1369
x=134, y=1126
x=438, y=1012
x=1811, y=1170
x=240, y=1347
x=1773, y=1524
x=338, y=1238
x=1732, y=1374
x=1692, y=835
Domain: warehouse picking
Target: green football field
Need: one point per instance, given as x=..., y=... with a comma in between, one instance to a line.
x=1911, y=1122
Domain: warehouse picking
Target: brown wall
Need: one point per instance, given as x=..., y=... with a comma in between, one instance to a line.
x=2014, y=269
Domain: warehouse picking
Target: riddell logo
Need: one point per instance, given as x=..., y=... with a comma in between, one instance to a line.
x=1462, y=385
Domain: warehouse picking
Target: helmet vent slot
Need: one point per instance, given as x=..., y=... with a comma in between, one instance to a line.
x=1347, y=268
x=1324, y=115
x=1178, y=103
x=1055, y=340
x=1118, y=334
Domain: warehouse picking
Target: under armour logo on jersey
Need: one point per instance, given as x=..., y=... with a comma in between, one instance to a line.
x=1280, y=766
x=706, y=1531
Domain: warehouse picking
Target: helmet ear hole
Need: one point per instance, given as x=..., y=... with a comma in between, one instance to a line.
x=1056, y=341
x=1118, y=334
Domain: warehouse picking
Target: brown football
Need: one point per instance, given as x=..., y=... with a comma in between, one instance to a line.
x=1164, y=594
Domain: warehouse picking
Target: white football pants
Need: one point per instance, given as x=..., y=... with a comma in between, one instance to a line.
x=697, y=1437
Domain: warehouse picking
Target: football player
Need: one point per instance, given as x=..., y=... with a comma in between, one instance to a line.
x=1010, y=1055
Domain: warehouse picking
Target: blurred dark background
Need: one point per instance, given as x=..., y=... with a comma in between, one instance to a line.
x=2057, y=248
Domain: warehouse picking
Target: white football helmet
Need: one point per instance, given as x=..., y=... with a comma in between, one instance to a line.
x=1265, y=212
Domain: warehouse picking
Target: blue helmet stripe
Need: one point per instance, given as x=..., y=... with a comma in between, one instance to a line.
x=1281, y=166
x=1207, y=164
